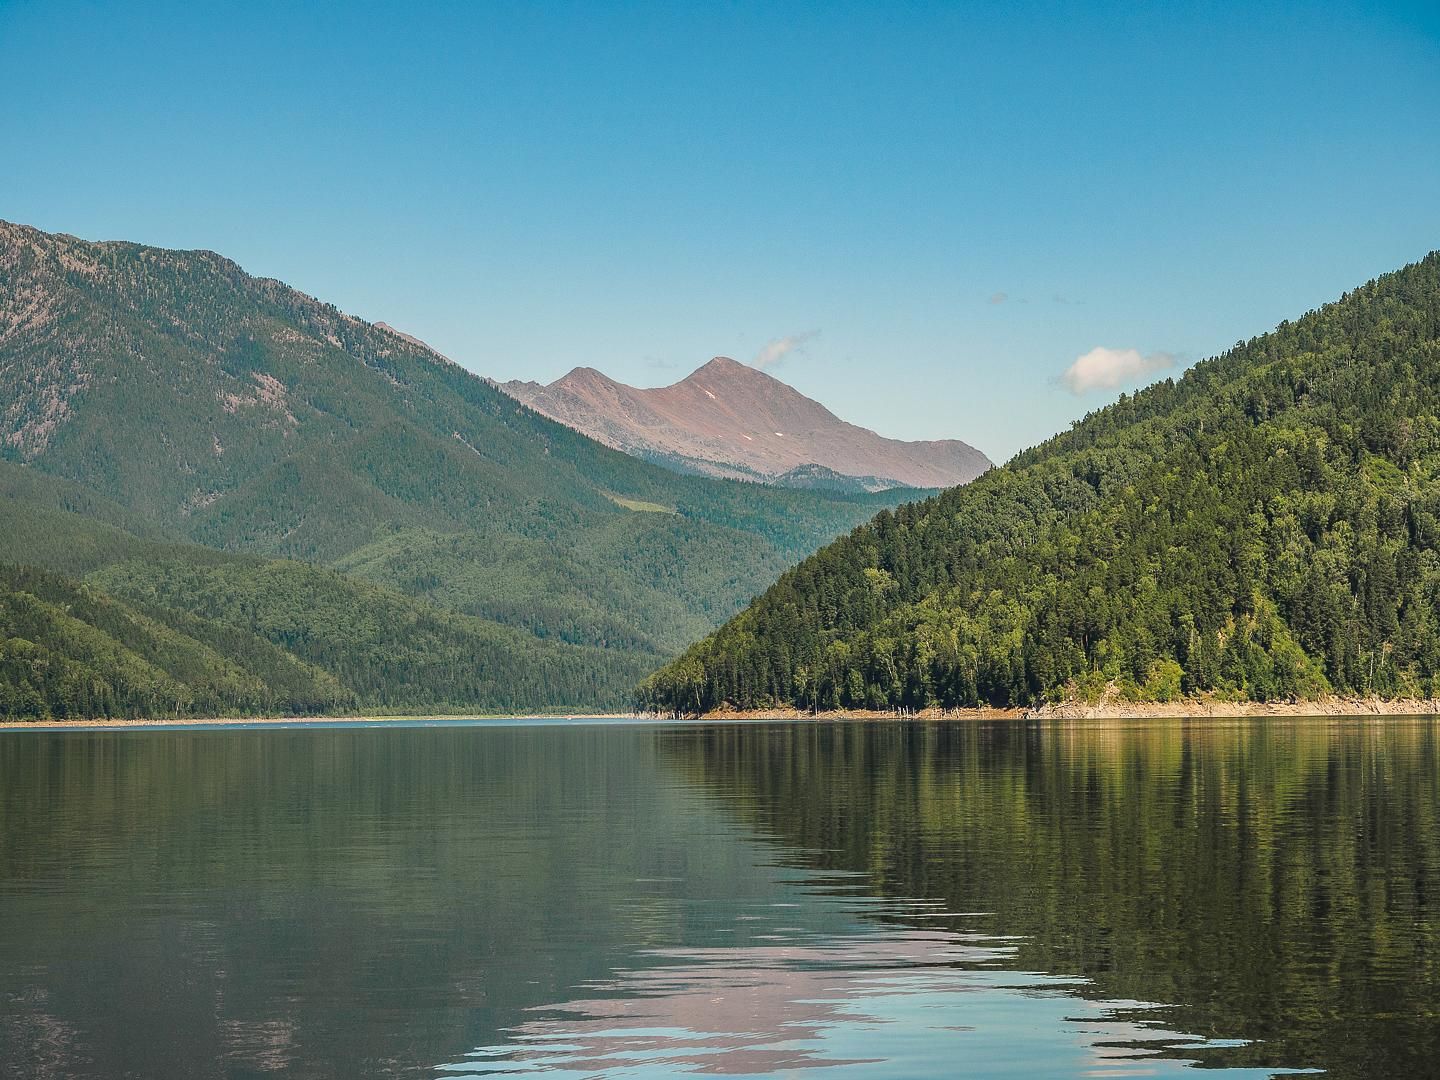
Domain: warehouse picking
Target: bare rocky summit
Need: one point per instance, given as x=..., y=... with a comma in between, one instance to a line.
x=729, y=419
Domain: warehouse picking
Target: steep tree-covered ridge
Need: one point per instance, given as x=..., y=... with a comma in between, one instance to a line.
x=124, y=625
x=476, y=555
x=1266, y=527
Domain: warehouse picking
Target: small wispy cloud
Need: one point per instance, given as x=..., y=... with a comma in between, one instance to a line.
x=999, y=297
x=1106, y=369
x=660, y=363
x=777, y=350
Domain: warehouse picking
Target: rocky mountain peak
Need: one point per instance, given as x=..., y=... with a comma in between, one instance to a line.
x=730, y=419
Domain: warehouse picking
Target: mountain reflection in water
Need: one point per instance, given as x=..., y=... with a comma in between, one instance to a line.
x=901, y=1004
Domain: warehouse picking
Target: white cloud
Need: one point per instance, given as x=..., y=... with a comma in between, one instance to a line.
x=776, y=351
x=1105, y=369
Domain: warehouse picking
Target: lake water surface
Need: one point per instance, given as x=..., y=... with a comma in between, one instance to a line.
x=838, y=900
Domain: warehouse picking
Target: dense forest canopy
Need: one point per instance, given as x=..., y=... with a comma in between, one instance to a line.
x=1267, y=526
x=124, y=626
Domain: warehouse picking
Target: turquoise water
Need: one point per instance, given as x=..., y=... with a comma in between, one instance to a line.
x=797, y=899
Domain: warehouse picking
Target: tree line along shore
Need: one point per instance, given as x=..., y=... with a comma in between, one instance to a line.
x=1112, y=710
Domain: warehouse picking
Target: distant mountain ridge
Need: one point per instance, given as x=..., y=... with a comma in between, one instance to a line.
x=455, y=549
x=729, y=419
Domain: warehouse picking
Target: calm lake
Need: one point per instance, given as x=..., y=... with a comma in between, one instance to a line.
x=884, y=899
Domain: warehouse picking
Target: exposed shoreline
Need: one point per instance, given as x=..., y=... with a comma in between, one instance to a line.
x=858, y=714
x=1113, y=709
x=1070, y=710
x=1335, y=706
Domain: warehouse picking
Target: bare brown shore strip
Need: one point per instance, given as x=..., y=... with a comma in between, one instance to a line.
x=1334, y=706
x=859, y=714
x=1071, y=710
x=1115, y=710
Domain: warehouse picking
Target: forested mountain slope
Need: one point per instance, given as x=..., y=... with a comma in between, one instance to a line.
x=186, y=400
x=97, y=621
x=1265, y=527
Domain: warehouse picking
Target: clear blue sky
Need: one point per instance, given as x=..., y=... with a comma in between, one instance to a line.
x=947, y=204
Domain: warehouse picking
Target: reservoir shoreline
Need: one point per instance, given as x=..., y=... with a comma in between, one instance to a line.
x=1071, y=710
x=1112, y=709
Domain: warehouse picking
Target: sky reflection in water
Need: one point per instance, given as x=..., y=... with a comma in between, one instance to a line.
x=881, y=1002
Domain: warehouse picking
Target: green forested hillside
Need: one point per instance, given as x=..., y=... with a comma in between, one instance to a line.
x=184, y=400
x=119, y=625
x=1267, y=526
x=68, y=650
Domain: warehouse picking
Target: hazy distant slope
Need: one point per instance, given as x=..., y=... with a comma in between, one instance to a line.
x=212, y=406
x=1267, y=526
x=729, y=419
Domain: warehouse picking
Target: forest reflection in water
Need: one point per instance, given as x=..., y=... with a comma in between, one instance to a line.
x=1270, y=882
x=873, y=899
